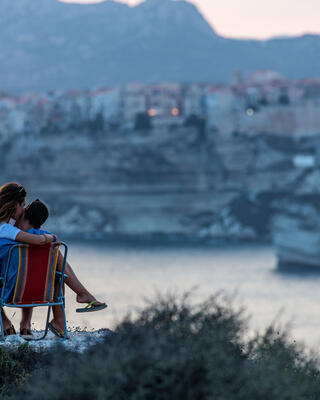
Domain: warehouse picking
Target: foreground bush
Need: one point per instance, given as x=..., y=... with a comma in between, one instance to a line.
x=16, y=365
x=173, y=350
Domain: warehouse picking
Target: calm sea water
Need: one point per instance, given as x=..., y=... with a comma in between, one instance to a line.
x=123, y=275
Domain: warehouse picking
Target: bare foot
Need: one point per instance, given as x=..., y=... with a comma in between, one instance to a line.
x=7, y=324
x=58, y=325
x=57, y=328
x=25, y=326
x=88, y=298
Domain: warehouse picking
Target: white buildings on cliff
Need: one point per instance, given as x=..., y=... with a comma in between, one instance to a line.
x=264, y=103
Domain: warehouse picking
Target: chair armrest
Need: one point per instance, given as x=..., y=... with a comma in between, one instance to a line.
x=60, y=273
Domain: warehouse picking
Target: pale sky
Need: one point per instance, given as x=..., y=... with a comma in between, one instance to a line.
x=255, y=18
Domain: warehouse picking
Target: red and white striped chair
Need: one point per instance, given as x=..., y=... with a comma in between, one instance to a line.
x=37, y=279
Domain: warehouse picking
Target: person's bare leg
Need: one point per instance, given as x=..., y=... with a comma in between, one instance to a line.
x=83, y=295
x=57, y=322
x=26, y=318
x=5, y=320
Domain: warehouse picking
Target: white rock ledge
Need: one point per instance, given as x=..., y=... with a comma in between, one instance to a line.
x=79, y=341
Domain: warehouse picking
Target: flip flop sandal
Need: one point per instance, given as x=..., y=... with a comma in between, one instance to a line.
x=10, y=331
x=26, y=334
x=56, y=332
x=91, y=307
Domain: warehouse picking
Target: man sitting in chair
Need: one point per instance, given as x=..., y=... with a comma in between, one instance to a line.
x=36, y=213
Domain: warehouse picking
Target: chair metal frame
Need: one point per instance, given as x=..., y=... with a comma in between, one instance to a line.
x=58, y=300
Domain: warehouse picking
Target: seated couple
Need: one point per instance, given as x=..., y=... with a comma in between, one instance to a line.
x=27, y=230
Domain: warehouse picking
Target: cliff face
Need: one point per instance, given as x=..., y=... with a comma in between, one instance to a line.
x=135, y=183
x=169, y=182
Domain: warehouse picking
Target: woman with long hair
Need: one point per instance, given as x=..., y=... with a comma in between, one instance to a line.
x=12, y=203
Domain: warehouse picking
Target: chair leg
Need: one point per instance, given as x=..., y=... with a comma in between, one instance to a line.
x=47, y=322
x=1, y=323
x=46, y=327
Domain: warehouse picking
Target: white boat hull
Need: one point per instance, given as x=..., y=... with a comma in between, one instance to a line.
x=297, y=241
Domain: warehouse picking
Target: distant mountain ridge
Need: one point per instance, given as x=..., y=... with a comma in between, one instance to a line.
x=47, y=44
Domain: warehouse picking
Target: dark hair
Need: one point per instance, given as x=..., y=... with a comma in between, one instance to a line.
x=36, y=213
x=11, y=194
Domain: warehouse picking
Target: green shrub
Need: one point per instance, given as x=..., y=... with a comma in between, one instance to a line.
x=174, y=350
x=15, y=365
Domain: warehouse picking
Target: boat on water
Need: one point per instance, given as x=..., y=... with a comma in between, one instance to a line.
x=296, y=233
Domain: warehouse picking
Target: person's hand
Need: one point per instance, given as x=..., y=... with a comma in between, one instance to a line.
x=48, y=238
x=52, y=237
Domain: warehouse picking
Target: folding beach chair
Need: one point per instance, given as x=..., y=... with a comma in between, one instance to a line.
x=36, y=276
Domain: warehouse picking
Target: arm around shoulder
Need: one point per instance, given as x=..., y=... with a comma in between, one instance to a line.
x=30, y=238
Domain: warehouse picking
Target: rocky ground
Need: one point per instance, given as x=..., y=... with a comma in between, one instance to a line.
x=78, y=340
